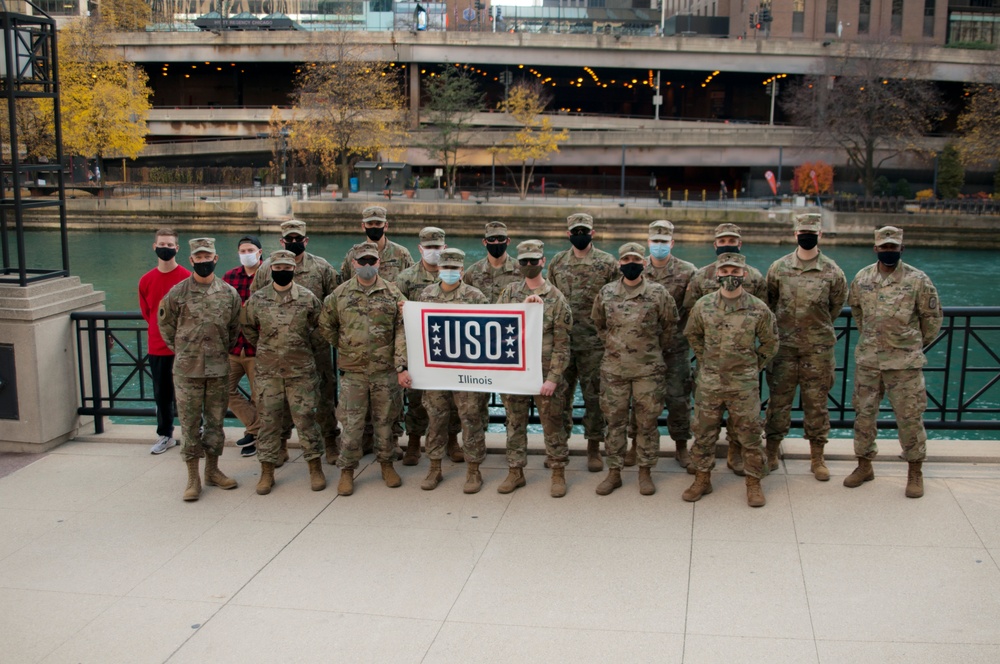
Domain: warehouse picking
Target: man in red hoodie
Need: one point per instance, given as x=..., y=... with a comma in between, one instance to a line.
x=152, y=287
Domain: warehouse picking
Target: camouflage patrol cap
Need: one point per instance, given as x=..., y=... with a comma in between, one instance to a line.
x=365, y=249
x=661, y=229
x=736, y=260
x=579, y=219
x=202, y=245
x=811, y=222
x=293, y=227
x=722, y=230
x=886, y=235
x=431, y=236
x=496, y=229
x=282, y=257
x=373, y=214
x=531, y=249
x=631, y=249
x=452, y=257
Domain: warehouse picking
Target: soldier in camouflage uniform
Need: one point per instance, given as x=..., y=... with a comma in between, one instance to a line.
x=442, y=404
x=579, y=273
x=556, y=325
x=635, y=318
x=282, y=322
x=703, y=282
x=411, y=283
x=806, y=291
x=363, y=321
x=199, y=319
x=393, y=258
x=318, y=276
x=492, y=274
x=734, y=336
x=897, y=313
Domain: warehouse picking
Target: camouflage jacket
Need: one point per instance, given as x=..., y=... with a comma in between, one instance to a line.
x=896, y=316
x=806, y=299
x=284, y=326
x=637, y=326
x=464, y=294
x=412, y=281
x=313, y=272
x=200, y=323
x=557, y=321
x=365, y=326
x=674, y=276
x=492, y=280
x=393, y=259
x=732, y=341
x=580, y=280
x=704, y=282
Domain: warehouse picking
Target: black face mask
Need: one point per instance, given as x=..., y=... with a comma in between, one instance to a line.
x=530, y=271
x=631, y=270
x=375, y=234
x=807, y=240
x=295, y=247
x=581, y=242
x=888, y=258
x=165, y=253
x=497, y=250
x=734, y=249
x=204, y=269
x=282, y=277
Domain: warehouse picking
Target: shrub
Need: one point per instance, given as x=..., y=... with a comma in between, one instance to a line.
x=925, y=194
x=802, y=183
x=951, y=173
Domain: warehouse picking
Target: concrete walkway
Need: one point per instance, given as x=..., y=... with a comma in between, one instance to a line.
x=101, y=561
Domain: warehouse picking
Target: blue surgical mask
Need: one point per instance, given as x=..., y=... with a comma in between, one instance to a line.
x=450, y=277
x=657, y=250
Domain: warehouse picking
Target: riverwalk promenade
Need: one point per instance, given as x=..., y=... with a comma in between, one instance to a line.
x=101, y=561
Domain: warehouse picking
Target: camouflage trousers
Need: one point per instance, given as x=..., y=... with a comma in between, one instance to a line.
x=550, y=411
x=744, y=425
x=201, y=409
x=585, y=366
x=244, y=409
x=645, y=395
x=908, y=397
x=298, y=397
x=418, y=419
x=326, y=413
x=677, y=387
x=812, y=371
x=359, y=392
x=442, y=407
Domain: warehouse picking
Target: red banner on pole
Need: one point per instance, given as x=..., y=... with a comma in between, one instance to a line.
x=769, y=176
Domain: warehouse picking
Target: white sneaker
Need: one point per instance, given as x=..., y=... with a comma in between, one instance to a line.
x=163, y=443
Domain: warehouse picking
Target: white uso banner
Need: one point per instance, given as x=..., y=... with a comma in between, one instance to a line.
x=474, y=347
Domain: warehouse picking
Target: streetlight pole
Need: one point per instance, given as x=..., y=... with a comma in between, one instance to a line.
x=284, y=158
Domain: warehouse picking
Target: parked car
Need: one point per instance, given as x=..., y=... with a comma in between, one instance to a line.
x=549, y=187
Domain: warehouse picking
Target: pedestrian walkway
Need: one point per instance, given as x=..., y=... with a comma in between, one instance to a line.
x=101, y=561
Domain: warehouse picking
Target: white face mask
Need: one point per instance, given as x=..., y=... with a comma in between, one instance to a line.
x=431, y=256
x=249, y=260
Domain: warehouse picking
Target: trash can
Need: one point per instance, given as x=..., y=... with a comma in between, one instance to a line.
x=257, y=182
x=354, y=185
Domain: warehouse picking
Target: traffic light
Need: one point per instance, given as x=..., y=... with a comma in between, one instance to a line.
x=479, y=4
x=491, y=14
x=765, y=15
x=499, y=17
x=753, y=20
x=758, y=26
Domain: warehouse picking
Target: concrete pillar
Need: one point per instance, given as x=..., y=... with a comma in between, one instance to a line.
x=414, y=70
x=40, y=395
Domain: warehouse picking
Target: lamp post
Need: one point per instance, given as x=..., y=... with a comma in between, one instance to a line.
x=284, y=133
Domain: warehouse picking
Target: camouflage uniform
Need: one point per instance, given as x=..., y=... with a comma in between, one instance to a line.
x=199, y=323
x=492, y=280
x=283, y=326
x=704, y=282
x=724, y=335
x=393, y=259
x=637, y=326
x=579, y=280
x=896, y=315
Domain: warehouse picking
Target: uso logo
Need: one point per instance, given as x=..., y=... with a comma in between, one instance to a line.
x=480, y=339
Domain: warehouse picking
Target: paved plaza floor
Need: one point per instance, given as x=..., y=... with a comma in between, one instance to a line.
x=101, y=561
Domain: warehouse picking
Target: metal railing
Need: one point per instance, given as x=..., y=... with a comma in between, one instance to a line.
x=962, y=372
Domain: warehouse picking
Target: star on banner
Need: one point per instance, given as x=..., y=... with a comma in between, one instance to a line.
x=510, y=341
x=510, y=353
x=436, y=351
x=435, y=328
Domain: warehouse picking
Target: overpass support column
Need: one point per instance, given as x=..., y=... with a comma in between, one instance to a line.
x=414, y=70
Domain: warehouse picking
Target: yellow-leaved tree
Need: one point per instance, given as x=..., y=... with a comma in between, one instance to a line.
x=536, y=139
x=35, y=131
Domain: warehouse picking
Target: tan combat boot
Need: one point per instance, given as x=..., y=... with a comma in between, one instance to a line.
x=734, y=459
x=702, y=486
x=266, y=481
x=214, y=476
x=594, y=462
x=558, y=489
x=755, y=493
x=772, y=447
x=915, y=480
x=610, y=483
x=332, y=448
x=454, y=451
x=515, y=479
x=390, y=476
x=817, y=465
x=345, y=486
x=863, y=473
x=682, y=457
x=317, y=480
x=412, y=455
x=434, y=476
x=473, y=480
x=646, y=486
x=282, y=454
x=193, y=489
x=631, y=456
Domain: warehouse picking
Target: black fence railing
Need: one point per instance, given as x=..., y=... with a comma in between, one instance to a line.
x=962, y=372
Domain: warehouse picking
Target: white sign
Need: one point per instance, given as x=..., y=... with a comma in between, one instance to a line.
x=438, y=172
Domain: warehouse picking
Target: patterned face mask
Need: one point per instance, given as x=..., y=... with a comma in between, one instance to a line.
x=730, y=283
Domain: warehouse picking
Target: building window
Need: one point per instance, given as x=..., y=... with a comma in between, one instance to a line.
x=864, y=16
x=57, y=7
x=831, y=16
x=970, y=27
x=897, y=17
x=929, y=18
x=798, y=16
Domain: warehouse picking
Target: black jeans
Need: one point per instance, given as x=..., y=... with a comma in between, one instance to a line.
x=162, y=368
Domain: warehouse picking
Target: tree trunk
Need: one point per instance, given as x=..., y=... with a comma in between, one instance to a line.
x=869, y=169
x=345, y=178
x=523, y=193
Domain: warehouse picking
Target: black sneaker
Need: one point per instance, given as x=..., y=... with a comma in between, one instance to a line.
x=249, y=450
x=246, y=440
